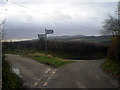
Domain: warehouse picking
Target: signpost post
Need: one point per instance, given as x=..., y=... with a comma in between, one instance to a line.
x=45, y=42
x=41, y=35
x=47, y=32
x=45, y=36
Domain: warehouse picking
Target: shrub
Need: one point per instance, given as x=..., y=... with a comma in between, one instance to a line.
x=114, y=51
x=9, y=79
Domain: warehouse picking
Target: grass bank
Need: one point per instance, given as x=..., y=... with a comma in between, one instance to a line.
x=42, y=58
x=9, y=79
x=49, y=59
x=112, y=67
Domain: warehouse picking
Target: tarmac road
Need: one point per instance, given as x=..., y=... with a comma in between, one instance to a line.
x=33, y=73
x=81, y=74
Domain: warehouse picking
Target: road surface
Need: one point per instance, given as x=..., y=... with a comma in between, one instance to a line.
x=81, y=74
x=33, y=73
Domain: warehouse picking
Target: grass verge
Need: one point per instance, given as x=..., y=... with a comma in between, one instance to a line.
x=112, y=67
x=9, y=79
x=40, y=57
x=49, y=60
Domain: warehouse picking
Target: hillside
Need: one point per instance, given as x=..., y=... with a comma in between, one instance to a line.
x=94, y=39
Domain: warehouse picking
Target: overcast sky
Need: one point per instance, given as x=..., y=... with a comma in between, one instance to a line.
x=27, y=18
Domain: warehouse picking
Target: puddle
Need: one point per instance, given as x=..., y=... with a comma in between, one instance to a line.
x=16, y=71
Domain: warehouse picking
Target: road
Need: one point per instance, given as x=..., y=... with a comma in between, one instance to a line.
x=33, y=74
x=81, y=74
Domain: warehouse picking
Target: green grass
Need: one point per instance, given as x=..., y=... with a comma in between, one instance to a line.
x=40, y=57
x=50, y=60
x=112, y=67
x=9, y=79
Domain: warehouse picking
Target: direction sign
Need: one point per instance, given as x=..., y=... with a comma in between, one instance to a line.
x=44, y=36
x=41, y=35
x=49, y=31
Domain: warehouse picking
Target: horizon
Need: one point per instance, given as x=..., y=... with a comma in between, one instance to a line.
x=19, y=40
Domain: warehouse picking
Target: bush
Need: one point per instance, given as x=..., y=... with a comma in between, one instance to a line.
x=9, y=79
x=112, y=67
x=114, y=51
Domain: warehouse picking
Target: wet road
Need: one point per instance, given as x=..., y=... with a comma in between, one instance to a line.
x=33, y=73
x=81, y=74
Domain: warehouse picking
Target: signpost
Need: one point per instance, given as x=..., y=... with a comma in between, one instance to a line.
x=49, y=31
x=41, y=35
x=45, y=36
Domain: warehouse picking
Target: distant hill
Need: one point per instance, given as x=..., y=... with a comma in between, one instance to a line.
x=66, y=37
x=94, y=39
x=105, y=39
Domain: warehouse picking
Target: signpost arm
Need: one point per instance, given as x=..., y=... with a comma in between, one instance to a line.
x=45, y=36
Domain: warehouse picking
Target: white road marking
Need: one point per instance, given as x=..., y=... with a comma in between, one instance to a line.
x=80, y=85
x=46, y=83
x=54, y=71
x=47, y=70
x=36, y=83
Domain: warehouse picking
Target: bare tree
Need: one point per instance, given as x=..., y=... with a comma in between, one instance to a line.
x=112, y=28
x=112, y=24
x=3, y=19
x=2, y=29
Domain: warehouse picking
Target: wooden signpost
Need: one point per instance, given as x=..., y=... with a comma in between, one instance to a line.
x=44, y=36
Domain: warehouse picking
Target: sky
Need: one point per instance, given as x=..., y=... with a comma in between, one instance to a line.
x=25, y=19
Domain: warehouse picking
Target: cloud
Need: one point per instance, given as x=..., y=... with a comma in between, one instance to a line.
x=64, y=17
x=26, y=17
x=60, y=15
